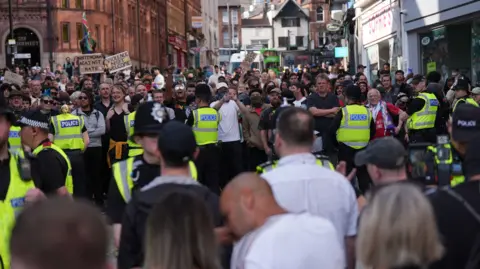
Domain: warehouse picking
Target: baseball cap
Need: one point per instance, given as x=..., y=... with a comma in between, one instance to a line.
x=461, y=84
x=465, y=122
x=476, y=91
x=385, y=152
x=177, y=143
x=361, y=66
x=222, y=85
x=277, y=90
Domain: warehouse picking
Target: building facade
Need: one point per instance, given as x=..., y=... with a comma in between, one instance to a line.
x=379, y=35
x=229, y=29
x=442, y=36
x=113, y=24
x=209, y=47
x=257, y=34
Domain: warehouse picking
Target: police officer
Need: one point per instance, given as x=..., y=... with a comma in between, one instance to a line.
x=50, y=168
x=14, y=185
x=134, y=149
x=135, y=172
x=177, y=147
x=462, y=94
x=68, y=132
x=204, y=121
x=318, y=158
x=352, y=129
x=423, y=111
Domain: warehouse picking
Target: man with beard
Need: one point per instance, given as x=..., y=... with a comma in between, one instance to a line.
x=267, y=124
x=179, y=103
x=251, y=132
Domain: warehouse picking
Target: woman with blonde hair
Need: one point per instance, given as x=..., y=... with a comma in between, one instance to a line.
x=398, y=230
x=179, y=234
x=115, y=124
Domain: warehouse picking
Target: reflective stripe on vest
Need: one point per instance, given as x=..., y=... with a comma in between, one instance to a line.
x=134, y=149
x=354, y=130
x=14, y=139
x=68, y=131
x=467, y=100
x=122, y=173
x=205, y=125
x=68, y=178
x=425, y=118
x=11, y=207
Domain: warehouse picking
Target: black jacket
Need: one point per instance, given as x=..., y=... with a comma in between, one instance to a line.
x=131, y=250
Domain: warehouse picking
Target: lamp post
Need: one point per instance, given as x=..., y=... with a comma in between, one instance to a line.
x=10, y=21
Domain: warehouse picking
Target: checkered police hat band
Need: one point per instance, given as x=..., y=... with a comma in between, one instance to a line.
x=34, y=123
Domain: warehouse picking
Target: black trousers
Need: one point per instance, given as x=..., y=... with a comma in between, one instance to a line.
x=256, y=157
x=231, y=162
x=208, y=167
x=347, y=154
x=94, y=181
x=78, y=173
x=423, y=136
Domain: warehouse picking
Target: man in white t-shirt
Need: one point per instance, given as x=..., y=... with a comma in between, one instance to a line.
x=302, y=184
x=229, y=133
x=214, y=77
x=269, y=236
x=159, y=82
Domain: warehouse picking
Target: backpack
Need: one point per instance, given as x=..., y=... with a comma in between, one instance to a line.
x=474, y=257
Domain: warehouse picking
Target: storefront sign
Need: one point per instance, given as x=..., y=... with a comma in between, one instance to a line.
x=381, y=22
x=177, y=41
x=117, y=62
x=13, y=78
x=341, y=52
x=197, y=22
x=91, y=63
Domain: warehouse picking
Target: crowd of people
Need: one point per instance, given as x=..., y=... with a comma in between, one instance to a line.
x=254, y=169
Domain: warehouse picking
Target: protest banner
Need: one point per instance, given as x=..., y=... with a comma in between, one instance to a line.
x=13, y=78
x=118, y=62
x=247, y=62
x=90, y=63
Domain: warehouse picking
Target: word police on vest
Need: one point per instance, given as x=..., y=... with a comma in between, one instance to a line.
x=433, y=102
x=14, y=134
x=69, y=123
x=465, y=123
x=208, y=117
x=358, y=117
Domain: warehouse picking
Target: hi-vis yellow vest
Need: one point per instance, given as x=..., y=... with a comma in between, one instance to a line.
x=11, y=207
x=354, y=130
x=68, y=178
x=14, y=139
x=467, y=100
x=205, y=126
x=425, y=118
x=269, y=166
x=134, y=149
x=122, y=173
x=68, y=131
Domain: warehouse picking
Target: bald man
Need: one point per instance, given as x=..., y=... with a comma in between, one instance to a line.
x=270, y=237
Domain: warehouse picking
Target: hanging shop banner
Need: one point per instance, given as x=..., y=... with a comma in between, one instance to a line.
x=91, y=63
x=197, y=22
x=13, y=78
x=118, y=62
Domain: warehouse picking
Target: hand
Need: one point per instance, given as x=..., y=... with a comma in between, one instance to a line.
x=234, y=97
x=335, y=110
x=224, y=235
x=34, y=195
x=407, y=139
x=110, y=114
x=226, y=98
x=268, y=151
x=125, y=108
x=342, y=169
x=397, y=129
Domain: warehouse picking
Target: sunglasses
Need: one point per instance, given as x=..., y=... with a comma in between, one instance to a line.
x=48, y=102
x=82, y=98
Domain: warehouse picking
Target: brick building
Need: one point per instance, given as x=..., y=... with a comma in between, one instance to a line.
x=115, y=30
x=229, y=28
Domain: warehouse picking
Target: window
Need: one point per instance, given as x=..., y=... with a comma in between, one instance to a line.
x=79, y=31
x=320, y=16
x=299, y=41
x=290, y=22
x=321, y=40
x=226, y=38
x=98, y=36
x=283, y=41
x=234, y=17
x=225, y=17
x=65, y=32
x=78, y=3
x=65, y=3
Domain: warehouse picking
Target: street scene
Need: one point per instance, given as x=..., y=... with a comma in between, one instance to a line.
x=241, y=134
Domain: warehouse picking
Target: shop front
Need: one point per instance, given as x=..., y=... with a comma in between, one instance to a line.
x=444, y=37
x=381, y=38
x=177, y=49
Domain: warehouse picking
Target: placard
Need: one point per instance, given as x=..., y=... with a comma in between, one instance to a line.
x=91, y=63
x=118, y=62
x=13, y=78
x=247, y=62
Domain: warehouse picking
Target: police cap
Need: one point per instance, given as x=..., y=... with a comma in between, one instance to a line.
x=353, y=92
x=202, y=90
x=150, y=118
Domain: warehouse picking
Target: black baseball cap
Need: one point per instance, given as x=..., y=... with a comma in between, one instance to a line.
x=361, y=66
x=34, y=118
x=465, y=122
x=149, y=119
x=385, y=153
x=177, y=143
